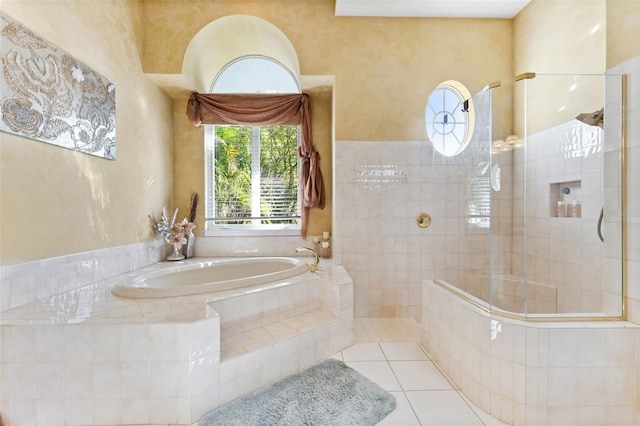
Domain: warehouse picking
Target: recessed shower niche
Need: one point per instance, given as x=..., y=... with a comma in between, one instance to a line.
x=565, y=199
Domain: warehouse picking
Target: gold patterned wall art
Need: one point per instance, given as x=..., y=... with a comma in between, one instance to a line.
x=49, y=96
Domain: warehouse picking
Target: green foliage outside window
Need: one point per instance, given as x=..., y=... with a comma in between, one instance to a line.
x=278, y=174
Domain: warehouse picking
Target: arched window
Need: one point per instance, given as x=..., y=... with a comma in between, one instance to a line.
x=243, y=54
x=255, y=74
x=251, y=172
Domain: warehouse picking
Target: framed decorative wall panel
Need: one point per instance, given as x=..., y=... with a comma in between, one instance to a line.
x=49, y=96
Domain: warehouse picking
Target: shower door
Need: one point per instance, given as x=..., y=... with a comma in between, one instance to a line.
x=567, y=180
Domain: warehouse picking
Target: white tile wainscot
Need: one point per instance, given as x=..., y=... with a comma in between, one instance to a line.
x=86, y=357
x=23, y=283
x=534, y=373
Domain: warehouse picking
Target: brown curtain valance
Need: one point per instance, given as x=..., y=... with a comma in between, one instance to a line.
x=256, y=109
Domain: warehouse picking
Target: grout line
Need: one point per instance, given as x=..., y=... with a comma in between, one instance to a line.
x=445, y=375
x=368, y=330
x=468, y=403
x=404, y=393
x=456, y=389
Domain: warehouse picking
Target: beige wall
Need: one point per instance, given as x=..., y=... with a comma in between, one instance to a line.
x=558, y=37
x=571, y=38
x=385, y=68
x=188, y=170
x=56, y=201
x=384, y=72
x=321, y=107
x=623, y=31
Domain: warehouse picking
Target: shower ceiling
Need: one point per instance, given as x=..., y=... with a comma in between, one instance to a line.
x=431, y=8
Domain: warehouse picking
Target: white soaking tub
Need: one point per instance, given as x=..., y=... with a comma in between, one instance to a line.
x=198, y=276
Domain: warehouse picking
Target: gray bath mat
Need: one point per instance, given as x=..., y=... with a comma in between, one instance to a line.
x=328, y=393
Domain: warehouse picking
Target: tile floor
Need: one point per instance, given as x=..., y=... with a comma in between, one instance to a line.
x=388, y=351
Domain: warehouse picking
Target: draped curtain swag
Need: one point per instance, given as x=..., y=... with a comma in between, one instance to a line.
x=258, y=109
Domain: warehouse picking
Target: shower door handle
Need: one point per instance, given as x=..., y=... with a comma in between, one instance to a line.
x=600, y=225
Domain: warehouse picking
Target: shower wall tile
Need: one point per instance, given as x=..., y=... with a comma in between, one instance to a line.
x=380, y=244
x=563, y=252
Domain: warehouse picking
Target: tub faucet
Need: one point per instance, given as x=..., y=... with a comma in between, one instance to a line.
x=314, y=266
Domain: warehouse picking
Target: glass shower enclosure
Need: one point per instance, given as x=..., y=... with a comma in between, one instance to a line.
x=535, y=224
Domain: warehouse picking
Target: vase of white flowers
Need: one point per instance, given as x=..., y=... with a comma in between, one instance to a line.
x=173, y=233
x=177, y=253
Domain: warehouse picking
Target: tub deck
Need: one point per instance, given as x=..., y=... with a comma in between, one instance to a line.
x=167, y=360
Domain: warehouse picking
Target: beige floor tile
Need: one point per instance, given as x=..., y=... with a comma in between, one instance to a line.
x=365, y=331
x=403, y=415
x=442, y=408
x=388, y=352
x=419, y=375
x=363, y=352
x=399, y=329
x=378, y=372
x=338, y=356
x=386, y=330
x=486, y=419
x=403, y=352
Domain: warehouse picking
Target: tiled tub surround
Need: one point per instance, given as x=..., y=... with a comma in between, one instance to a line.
x=548, y=373
x=231, y=246
x=86, y=357
x=28, y=282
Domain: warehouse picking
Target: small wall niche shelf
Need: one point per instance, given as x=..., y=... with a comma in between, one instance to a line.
x=565, y=199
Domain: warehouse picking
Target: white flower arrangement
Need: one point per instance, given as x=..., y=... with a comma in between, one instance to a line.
x=173, y=233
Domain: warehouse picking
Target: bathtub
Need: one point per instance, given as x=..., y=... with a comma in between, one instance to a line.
x=168, y=360
x=196, y=276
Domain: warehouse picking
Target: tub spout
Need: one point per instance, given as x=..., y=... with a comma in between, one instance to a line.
x=314, y=266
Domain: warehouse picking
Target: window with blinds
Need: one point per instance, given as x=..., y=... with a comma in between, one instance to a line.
x=480, y=202
x=251, y=177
